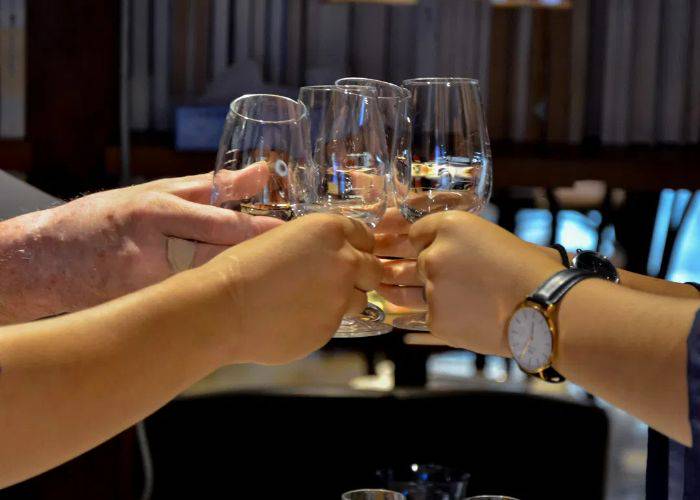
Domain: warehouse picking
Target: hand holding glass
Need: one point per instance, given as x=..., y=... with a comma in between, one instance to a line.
x=451, y=167
x=269, y=133
x=348, y=171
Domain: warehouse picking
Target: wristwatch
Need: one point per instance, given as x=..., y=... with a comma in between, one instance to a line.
x=591, y=261
x=532, y=329
x=597, y=263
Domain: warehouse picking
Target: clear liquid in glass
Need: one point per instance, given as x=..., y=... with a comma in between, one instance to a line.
x=355, y=192
x=437, y=187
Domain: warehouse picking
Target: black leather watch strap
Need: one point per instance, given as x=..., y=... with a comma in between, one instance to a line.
x=562, y=254
x=552, y=376
x=556, y=287
x=548, y=294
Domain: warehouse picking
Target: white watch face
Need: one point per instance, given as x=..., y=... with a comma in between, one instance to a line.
x=530, y=339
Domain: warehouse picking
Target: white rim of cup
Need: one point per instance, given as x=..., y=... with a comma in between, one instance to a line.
x=403, y=93
x=346, y=89
x=440, y=80
x=297, y=103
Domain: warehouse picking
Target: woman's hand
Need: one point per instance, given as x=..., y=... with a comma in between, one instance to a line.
x=272, y=299
x=290, y=287
x=400, y=283
x=475, y=275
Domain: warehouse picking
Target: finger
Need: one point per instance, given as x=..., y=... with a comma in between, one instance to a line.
x=369, y=271
x=357, y=302
x=394, y=245
x=401, y=272
x=208, y=224
x=392, y=223
x=405, y=296
x=232, y=184
x=423, y=232
x=358, y=234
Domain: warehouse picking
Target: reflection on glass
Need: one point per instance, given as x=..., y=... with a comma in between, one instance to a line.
x=348, y=171
x=266, y=136
x=451, y=156
x=349, y=153
x=451, y=168
x=393, y=103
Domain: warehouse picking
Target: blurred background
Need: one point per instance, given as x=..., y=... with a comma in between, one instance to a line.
x=593, y=110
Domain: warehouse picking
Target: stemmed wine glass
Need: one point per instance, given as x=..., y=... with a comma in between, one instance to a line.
x=451, y=167
x=268, y=135
x=348, y=171
x=394, y=102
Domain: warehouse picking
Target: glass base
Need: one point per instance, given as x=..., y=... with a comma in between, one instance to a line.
x=353, y=328
x=369, y=324
x=416, y=322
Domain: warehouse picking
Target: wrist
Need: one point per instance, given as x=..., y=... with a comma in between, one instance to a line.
x=213, y=306
x=533, y=329
x=525, y=279
x=182, y=307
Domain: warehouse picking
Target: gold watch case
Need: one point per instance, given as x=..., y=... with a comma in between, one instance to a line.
x=550, y=315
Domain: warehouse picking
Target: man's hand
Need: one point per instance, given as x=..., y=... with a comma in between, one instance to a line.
x=111, y=243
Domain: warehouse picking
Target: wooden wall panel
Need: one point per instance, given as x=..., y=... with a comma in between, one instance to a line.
x=72, y=89
x=369, y=45
x=402, y=44
x=427, y=33
x=328, y=28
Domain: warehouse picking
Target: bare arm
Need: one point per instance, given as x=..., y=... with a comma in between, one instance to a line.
x=392, y=240
x=69, y=383
x=107, y=244
x=28, y=272
x=624, y=345
x=657, y=286
x=629, y=348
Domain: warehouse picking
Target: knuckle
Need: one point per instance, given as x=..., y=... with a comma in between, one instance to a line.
x=327, y=224
x=333, y=233
x=453, y=217
x=145, y=205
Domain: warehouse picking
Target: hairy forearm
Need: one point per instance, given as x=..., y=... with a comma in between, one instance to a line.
x=60, y=260
x=629, y=348
x=69, y=383
x=30, y=278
